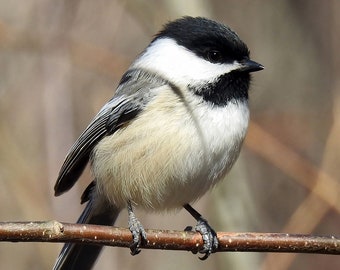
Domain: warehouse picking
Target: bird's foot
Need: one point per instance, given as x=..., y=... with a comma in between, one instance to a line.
x=210, y=242
x=137, y=230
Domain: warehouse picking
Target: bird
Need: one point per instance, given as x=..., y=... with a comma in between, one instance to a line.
x=172, y=130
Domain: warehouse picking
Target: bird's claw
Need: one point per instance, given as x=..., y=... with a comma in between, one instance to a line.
x=210, y=242
x=138, y=234
x=137, y=230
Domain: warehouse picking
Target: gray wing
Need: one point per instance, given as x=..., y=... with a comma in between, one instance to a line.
x=135, y=90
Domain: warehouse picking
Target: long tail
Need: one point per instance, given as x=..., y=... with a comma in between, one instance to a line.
x=76, y=256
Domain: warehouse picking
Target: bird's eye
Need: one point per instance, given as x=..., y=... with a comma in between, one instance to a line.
x=214, y=56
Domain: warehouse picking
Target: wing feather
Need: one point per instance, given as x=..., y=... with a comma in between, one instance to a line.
x=133, y=93
x=79, y=154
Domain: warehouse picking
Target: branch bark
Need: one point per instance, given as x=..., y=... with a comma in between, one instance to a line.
x=53, y=231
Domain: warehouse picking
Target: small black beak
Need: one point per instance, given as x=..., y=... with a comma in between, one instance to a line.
x=250, y=66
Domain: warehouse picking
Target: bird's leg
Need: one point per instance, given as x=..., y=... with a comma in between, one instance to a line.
x=210, y=242
x=137, y=231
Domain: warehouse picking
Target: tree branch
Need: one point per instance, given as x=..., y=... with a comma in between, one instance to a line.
x=53, y=231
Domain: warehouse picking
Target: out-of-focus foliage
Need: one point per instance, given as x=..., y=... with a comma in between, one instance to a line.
x=61, y=60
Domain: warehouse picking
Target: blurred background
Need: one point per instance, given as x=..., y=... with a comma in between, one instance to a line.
x=60, y=61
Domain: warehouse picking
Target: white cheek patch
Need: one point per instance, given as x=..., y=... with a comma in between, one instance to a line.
x=179, y=65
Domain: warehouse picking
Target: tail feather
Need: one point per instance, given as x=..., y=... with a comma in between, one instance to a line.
x=77, y=256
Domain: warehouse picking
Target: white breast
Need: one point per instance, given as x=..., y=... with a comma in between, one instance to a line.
x=172, y=153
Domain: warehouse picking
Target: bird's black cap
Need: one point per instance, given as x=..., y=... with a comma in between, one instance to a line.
x=201, y=36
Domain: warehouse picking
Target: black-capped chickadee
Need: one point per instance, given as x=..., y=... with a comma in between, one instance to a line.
x=172, y=130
